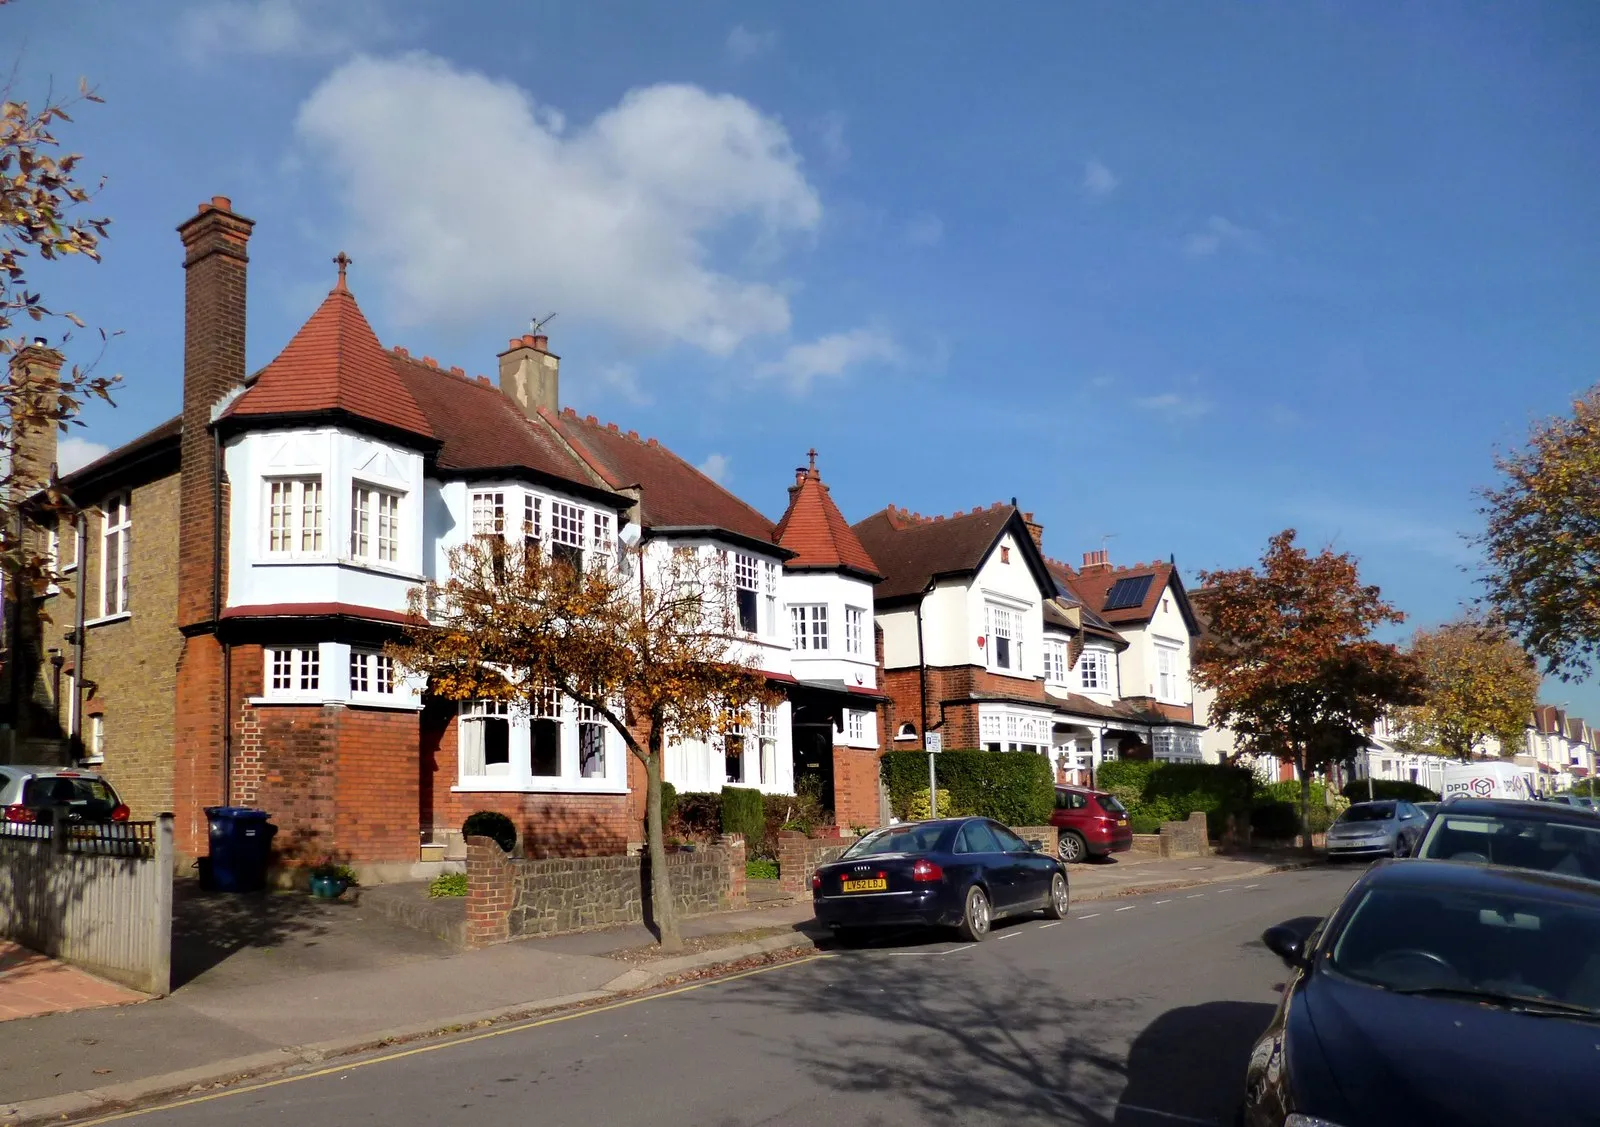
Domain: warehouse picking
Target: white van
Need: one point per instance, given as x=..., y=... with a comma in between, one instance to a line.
x=1488, y=780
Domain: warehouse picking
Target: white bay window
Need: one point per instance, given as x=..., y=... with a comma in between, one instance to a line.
x=294, y=516
x=374, y=524
x=809, y=622
x=546, y=743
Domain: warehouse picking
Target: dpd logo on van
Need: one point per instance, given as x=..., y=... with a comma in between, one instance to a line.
x=1482, y=787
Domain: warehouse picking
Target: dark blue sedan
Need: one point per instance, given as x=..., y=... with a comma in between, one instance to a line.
x=1438, y=992
x=963, y=873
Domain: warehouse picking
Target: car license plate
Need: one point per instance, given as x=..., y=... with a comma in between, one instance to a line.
x=1122, y=821
x=876, y=884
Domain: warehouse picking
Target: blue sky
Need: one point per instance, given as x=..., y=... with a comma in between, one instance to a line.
x=1172, y=274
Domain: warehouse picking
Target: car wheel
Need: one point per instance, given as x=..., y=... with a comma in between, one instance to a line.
x=975, y=918
x=1056, y=907
x=1071, y=848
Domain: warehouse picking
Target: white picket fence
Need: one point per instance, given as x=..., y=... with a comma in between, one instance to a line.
x=99, y=897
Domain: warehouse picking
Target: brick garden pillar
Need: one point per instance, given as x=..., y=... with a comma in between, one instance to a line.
x=734, y=851
x=491, y=890
x=792, y=862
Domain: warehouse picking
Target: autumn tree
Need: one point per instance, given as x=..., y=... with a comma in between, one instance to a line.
x=649, y=642
x=1542, y=539
x=1477, y=684
x=41, y=201
x=1290, y=657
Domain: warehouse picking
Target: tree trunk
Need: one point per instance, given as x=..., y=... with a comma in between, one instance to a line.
x=1305, y=805
x=662, y=907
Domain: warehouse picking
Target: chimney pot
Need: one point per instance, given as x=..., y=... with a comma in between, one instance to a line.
x=591, y=420
x=527, y=340
x=530, y=374
x=430, y=361
x=222, y=203
x=406, y=352
x=540, y=341
x=485, y=381
x=799, y=475
x=457, y=371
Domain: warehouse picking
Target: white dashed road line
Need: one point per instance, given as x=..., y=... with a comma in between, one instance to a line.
x=1196, y=896
x=1013, y=935
x=1090, y=916
x=1250, y=886
x=1056, y=924
x=1163, y=901
x=1220, y=891
x=1128, y=908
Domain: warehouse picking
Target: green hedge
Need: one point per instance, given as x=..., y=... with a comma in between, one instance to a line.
x=1319, y=817
x=493, y=825
x=743, y=812
x=1012, y=787
x=669, y=802
x=1156, y=792
x=1356, y=791
x=1275, y=821
x=696, y=816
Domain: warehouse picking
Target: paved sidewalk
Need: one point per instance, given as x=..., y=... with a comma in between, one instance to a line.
x=32, y=984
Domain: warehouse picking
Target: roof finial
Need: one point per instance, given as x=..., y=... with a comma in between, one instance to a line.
x=342, y=261
x=811, y=456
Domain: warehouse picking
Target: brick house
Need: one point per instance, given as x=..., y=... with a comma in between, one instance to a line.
x=243, y=565
x=996, y=646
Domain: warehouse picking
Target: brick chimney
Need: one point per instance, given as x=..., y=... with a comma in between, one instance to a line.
x=36, y=370
x=1035, y=530
x=1095, y=562
x=530, y=374
x=214, y=264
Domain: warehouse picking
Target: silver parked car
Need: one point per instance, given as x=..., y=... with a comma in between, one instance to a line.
x=31, y=794
x=1386, y=828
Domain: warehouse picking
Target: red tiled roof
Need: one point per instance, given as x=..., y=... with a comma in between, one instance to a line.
x=675, y=494
x=816, y=532
x=334, y=363
x=481, y=428
x=1094, y=586
x=909, y=550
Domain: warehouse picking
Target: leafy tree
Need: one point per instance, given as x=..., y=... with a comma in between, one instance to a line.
x=1542, y=538
x=649, y=642
x=40, y=200
x=1477, y=683
x=1289, y=654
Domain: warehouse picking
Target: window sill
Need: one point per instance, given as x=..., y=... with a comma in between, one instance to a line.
x=1017, y=674
x=103, y=619
x=377, y=568
x=389, y=704
x=300, y=700
x=507, y=785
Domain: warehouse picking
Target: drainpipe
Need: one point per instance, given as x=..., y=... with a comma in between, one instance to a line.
x=82, y=550
x=922, y=678
x=216, y=616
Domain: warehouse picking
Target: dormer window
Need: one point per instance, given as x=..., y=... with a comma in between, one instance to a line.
x=1003, y=635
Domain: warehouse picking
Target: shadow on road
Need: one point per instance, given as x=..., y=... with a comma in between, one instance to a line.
x=1188, y=1064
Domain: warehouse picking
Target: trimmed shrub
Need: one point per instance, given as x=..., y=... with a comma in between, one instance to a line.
x=1144, y=824
x=1011, y=787
x=493, y=825
x=917, y=807
x=1275, y=821
x=744, y=813
x=697, y=816
x=1318, y=817
x=1356, y=790
x=669, y=802
x=1156, y=792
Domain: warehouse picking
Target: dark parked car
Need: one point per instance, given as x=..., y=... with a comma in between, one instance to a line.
x=1386, y=828
x=1089, y=823
x=1545, y=836
x=1436, y=994
x=1577, y=801
x=958, y=872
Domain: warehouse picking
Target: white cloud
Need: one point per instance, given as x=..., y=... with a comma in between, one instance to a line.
x=73, y=453
x=744, y=44
x=1174, y=405
x=715, y=467
x=1219, y=233
x=474, y=203
x=925, y=230
x=624, y=382
x=1098, y=180
x=279, y=28
x=831, y=356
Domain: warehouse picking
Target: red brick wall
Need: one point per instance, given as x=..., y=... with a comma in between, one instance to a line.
x=548, y=825
x=855, y=787
x=197, y=751
x=298, y=777
x=375, y=799
x=903, y=688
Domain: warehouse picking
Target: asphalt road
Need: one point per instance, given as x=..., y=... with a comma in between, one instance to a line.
x=1136, y=1012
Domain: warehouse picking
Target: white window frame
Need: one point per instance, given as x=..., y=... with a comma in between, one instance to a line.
x=808, y=623
x=116, y=520
x=770, y=585
x=855, y=619
x=1099, y=663
x=374, y=524
x=766, y=725
x=995, y=616
x=94, y=739
x=567, y=529
x=738, y=727
x=299, y=668
x=517, y=776
x=486, y=512
x=303, y=531
x=1168, y=677
x=373, y=676
x=1055, y=661
x=470, y=742
x=855, y=726
x=747, y=577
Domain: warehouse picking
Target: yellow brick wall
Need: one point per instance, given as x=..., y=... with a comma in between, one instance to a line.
x=131, y=663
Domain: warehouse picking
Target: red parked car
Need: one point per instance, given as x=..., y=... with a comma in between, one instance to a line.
x=1089, y=823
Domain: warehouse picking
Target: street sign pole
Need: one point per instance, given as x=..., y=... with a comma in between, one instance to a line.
x=934, y=742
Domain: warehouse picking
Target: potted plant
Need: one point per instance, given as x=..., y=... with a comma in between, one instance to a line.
x=331, y=878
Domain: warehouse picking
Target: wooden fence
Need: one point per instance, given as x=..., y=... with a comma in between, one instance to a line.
x=98, y=896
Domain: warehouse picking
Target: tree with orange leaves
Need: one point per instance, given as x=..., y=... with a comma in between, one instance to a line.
x=648, y=641
x=1290, y=656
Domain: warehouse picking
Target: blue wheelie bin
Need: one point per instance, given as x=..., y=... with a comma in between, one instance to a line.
x=241, y=841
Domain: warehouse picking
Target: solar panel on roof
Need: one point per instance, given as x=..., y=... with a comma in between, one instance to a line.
x=1128, y=592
